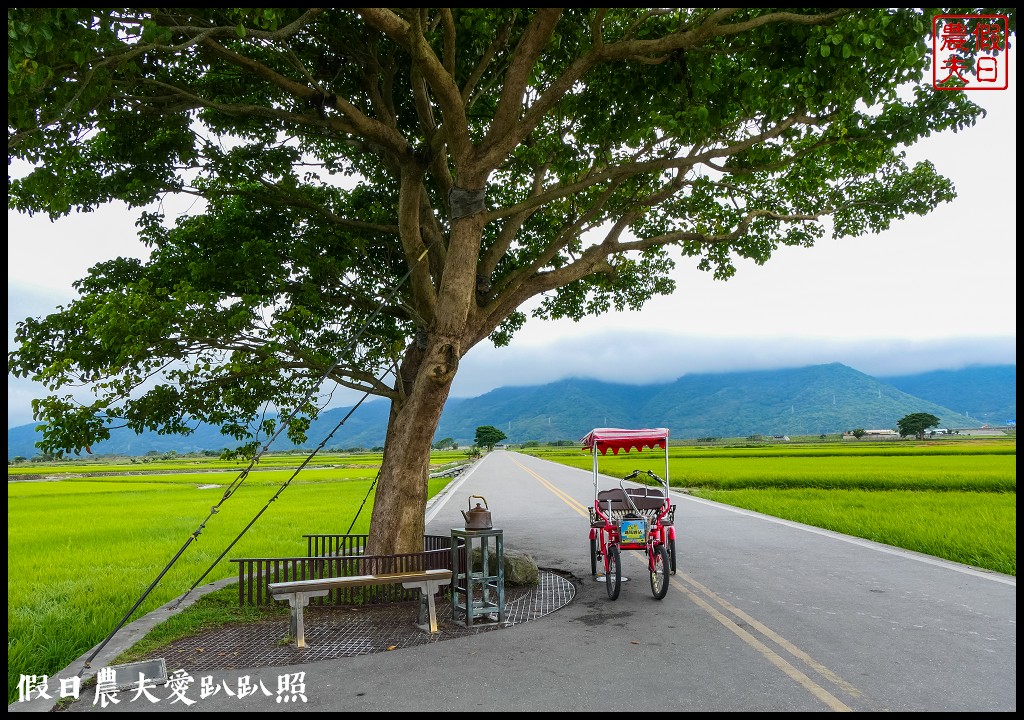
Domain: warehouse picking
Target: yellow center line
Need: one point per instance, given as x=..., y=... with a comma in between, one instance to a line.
x=572, y=502
x=770, y=655
x=775, y=637
x=774, y=658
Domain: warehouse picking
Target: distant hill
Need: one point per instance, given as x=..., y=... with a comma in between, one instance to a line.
x=979, y=391
x=365, y=428
x=803, y=401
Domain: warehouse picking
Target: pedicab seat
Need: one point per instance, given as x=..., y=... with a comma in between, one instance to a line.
x=614, y=503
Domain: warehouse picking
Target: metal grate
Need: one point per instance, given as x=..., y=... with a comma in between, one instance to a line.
x=344, y=631
x=552, y=592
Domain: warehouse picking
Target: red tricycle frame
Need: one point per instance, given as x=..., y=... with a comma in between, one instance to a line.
x=631, y=518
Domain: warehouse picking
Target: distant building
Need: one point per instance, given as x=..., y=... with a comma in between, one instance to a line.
x=984, y=430
x=873, y=435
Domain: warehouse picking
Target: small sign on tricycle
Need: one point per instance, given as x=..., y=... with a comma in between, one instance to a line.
x=633, y=532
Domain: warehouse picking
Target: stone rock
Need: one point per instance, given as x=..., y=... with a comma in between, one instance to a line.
x=520, y=568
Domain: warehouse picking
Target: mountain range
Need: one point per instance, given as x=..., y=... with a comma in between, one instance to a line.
x=813, y=400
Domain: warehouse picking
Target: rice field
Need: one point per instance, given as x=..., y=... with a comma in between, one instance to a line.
x=83, y=550
x=982, y=466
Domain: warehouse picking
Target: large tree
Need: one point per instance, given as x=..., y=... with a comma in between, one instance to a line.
x=488, y=436
x=378, y=190
x=916, y=423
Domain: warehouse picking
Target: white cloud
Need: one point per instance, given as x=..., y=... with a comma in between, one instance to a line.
x=643, y=357
x=937, y=292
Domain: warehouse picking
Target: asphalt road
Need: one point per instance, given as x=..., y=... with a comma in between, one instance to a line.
x=763, y=615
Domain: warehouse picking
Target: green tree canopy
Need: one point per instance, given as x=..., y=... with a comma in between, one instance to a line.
x=915, y=424
x=379, y=190
x=488, y=436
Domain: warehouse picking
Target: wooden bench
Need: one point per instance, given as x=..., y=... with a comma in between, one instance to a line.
x=298, y=593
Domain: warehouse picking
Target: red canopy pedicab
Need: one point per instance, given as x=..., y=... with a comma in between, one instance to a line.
x=632, y=518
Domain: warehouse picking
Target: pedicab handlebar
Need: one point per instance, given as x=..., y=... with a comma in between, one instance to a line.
x=636, y=473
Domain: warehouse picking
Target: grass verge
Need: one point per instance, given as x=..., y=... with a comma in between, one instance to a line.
x=213, y=610
x=976, y=529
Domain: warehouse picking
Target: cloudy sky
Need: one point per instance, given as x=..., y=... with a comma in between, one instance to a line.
x=930, y=293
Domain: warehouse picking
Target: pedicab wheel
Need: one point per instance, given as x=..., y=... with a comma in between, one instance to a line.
x=593, y=557
x=660, y=573
x=613, y=578
x=672, y=554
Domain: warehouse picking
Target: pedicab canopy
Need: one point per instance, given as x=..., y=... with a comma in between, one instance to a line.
x=615, y=439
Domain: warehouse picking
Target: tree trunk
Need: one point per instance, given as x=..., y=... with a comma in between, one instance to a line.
x=424, y=380
x=397, y=522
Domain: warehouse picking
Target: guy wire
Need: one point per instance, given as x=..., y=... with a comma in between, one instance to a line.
x=241, y=477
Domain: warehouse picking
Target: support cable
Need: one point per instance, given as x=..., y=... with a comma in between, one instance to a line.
x=281, y=490
x=372, y=486
x=237, y=482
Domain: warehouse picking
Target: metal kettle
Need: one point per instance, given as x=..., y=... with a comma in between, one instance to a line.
x=477, y=518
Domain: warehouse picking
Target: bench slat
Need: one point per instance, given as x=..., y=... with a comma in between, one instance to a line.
x=356, y=581
x=298, y=593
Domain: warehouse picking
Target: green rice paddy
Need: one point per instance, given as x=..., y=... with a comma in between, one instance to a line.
x=81, y=551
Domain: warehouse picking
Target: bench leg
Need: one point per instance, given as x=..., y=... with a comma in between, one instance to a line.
x=427, y=620
x=297, y=601
x=296, y=628
x=432, y=608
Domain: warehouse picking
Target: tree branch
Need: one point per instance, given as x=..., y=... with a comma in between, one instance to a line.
x=424, y=295
x=519, y=73
x=441, y=83
x=358, y=123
